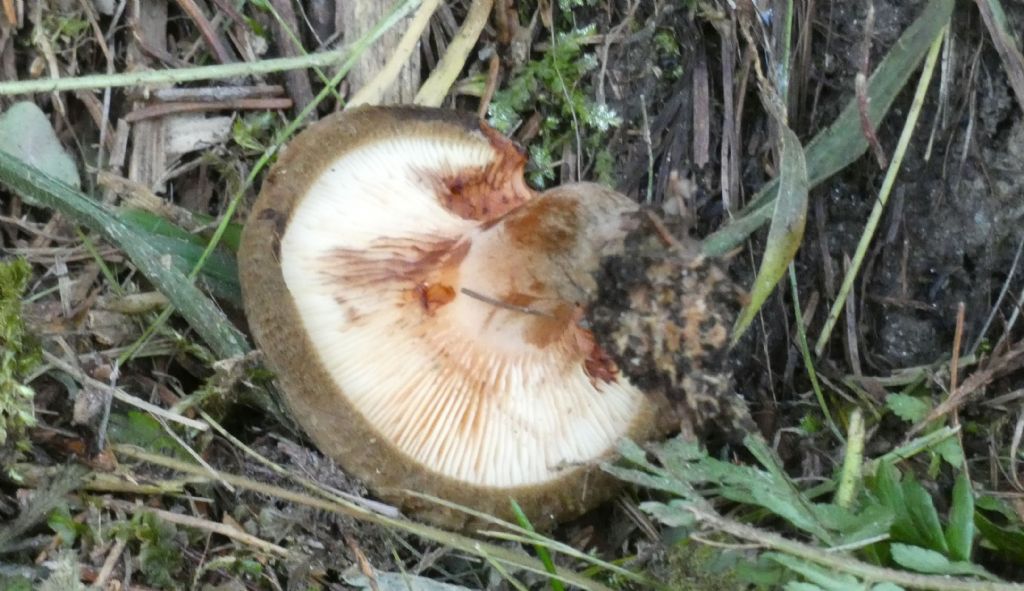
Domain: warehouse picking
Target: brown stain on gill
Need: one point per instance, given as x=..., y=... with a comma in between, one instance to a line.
x=424, y=271
x=545, y=226
x=489, y=192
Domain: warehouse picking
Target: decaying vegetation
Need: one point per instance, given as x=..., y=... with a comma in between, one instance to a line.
x=860, y=165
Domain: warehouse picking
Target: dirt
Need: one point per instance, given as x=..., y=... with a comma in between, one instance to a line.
x=953, y=223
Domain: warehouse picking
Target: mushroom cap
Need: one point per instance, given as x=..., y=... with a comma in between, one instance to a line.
x=420, y=307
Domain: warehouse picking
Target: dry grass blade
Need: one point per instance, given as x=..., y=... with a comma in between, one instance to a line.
x=436, y=87
x=372, y=91
x=1013, y=61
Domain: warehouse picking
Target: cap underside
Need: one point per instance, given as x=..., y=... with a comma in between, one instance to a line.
x=374, y=262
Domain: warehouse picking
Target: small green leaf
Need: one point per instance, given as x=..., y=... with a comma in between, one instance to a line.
x=787, y=228
x=950, y=451
x=890, y=493
x=874, y=521
x=674, y=514
x=960, y=530
x=928, y=561
x=160, y=554
x=64, y=525
x=924, y=516
x=909, y=408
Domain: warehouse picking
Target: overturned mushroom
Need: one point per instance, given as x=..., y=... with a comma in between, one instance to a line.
x=426, y=314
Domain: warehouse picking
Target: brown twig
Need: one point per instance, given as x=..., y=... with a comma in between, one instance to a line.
x=10, y=13
x=996, y=367
x=285, y=29
x=206, y=29
x=493, y=73
x=375, y=89
x=861, y=84
x=364, y=563
x=165, y=109
x=119, y=394
x=108, y=565
x=500, y=304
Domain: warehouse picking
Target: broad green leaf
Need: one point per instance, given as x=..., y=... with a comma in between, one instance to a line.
x=793, y=509
x=960, y=529
x=777, y=493
x=646, y=480
x=787, y=230
x=26, y=134
x=886, y=587
x=909, y=408
x=923, y=515
x=928, y=561
x=843, y=142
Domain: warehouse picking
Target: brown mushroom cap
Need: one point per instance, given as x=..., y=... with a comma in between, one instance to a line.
x=420, y=307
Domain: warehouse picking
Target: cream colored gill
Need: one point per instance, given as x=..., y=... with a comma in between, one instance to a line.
x=459, y=391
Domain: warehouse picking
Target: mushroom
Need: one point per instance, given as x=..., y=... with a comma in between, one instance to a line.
x=424, y=311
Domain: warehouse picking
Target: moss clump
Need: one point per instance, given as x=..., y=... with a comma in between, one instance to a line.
x=19, y=354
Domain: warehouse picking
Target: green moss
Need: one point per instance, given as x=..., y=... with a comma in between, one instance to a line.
x=697, y=567
x=554, y=85
x=19, y=354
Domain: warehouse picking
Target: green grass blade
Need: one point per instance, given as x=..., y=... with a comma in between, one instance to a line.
x=835, y=148
x=787, y=230
x=960, y=529
x=542, y=552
